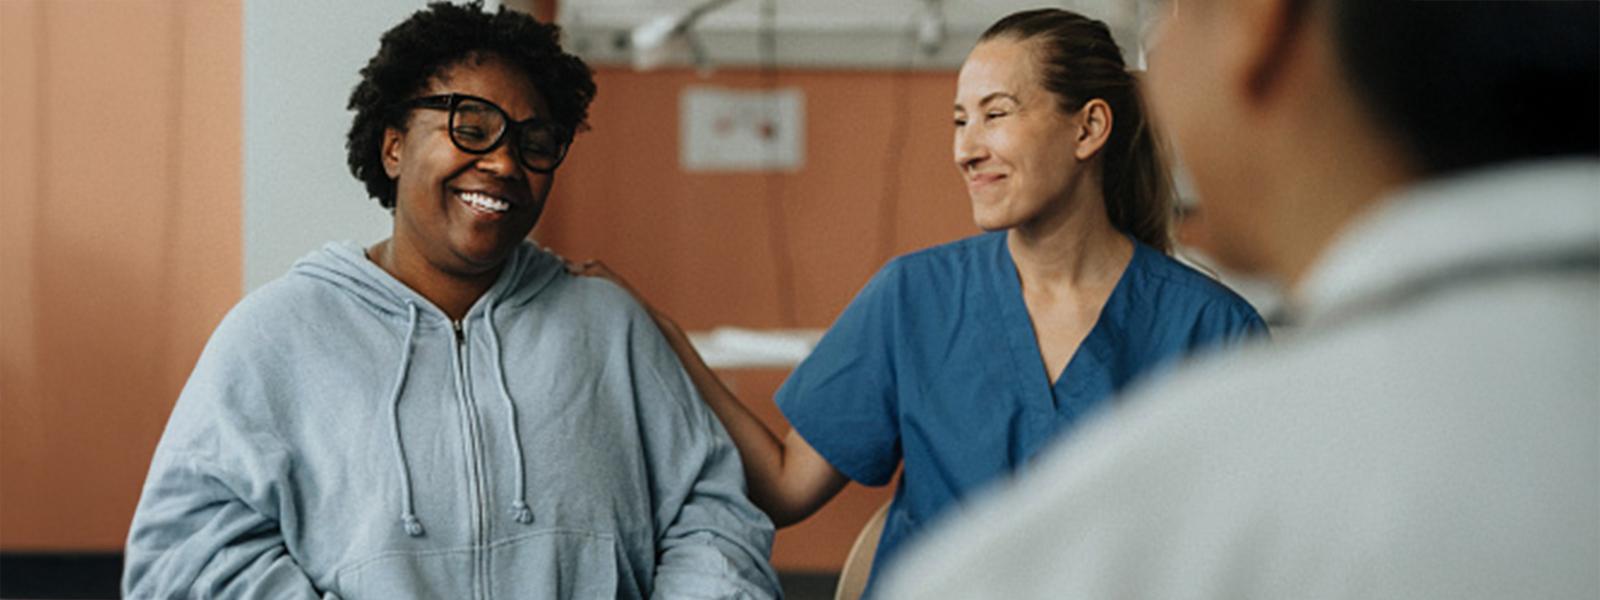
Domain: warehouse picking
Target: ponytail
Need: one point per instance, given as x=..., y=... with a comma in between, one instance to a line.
x=1137, y=180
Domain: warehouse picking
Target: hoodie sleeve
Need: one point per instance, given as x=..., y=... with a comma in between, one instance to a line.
x=712, y=541
x=207, y=523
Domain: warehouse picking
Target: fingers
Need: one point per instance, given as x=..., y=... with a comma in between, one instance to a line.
x=598, y=269
x=588, y=268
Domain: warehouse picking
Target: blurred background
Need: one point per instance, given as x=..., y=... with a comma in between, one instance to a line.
x=751, y=164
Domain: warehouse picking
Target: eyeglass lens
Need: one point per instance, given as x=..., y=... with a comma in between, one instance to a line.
x=477, y=126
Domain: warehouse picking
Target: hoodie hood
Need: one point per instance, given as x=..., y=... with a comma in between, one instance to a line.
x=344, y=265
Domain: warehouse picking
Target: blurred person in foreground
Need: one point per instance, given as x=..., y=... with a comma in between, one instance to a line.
x=1424, y=177
x=447, y=413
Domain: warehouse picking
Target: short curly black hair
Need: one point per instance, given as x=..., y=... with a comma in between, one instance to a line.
x=439, y=37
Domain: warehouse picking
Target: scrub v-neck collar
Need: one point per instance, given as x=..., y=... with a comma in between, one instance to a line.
x=1093, y=353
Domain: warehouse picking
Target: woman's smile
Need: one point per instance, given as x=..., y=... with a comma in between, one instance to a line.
x=983, y=181
x=483, y=205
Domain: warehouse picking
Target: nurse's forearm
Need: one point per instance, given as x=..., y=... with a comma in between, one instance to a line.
x=758, y=446
x=788, y=480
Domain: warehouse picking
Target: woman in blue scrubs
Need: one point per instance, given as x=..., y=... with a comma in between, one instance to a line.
x=962, y=361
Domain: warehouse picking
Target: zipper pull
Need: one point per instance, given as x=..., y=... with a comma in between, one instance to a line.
x=461, y=335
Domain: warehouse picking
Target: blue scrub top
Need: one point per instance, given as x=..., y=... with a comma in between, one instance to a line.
x=935, y=361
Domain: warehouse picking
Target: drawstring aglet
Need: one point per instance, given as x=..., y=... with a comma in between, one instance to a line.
x=523, y=514
x=413, y=526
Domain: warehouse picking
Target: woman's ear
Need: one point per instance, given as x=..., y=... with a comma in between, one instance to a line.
x=1094, y=128
x=392, y=139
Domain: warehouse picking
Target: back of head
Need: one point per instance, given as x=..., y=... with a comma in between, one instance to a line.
x=439, y=37
x=1081, y=63
x=1471, y=84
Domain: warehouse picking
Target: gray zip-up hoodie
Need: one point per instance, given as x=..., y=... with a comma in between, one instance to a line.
x=342, y=437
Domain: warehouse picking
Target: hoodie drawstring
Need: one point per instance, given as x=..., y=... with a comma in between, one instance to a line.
x=409, y=516
x=519, y=508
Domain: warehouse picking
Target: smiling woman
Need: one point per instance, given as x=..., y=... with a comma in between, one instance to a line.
x=461, y=137
x=956, y=364
x=448, y=412
x=461, y=207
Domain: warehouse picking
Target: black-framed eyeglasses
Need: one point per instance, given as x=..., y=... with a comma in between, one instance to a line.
x=478, y=126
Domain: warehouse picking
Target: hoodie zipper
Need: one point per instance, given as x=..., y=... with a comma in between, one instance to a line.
x=475, y=463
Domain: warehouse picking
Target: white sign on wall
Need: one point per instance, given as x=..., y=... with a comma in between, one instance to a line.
x=722, y=129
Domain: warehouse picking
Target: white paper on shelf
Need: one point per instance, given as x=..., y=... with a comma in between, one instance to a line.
x=734, y=347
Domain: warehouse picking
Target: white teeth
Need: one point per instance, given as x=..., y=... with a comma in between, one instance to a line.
x=485, y=202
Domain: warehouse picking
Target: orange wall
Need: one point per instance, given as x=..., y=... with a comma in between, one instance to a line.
x=119, y=246
x=721, y=248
